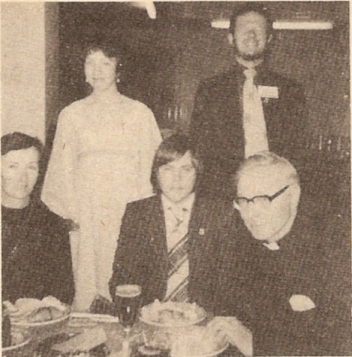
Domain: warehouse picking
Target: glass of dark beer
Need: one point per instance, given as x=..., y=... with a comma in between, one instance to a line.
x=127, y=303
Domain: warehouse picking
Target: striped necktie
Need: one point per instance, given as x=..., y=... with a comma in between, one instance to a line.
x=177, y=284
x=253, y=116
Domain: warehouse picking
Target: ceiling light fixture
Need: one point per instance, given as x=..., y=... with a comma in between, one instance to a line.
x=302, y=25
x=220, y=24
x=147, y=5
x=283, y=25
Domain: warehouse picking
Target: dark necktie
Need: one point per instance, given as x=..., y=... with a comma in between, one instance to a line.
x=178, y=261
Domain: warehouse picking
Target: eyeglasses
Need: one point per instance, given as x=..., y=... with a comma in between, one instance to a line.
x=261, y=200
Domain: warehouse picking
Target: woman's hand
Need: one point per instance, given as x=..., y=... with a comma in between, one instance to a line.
x=236, y=333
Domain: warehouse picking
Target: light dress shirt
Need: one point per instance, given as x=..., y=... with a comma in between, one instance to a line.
x=253, y=117
x=182, y=211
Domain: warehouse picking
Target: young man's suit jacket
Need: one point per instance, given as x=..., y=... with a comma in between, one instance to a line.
x=141, y=256
x=217, y=128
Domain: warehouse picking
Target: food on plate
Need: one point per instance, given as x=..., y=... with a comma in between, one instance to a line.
x=18, y=337
x=172, y=313
x=33, y=310
x=196, y=341
x=44, y=314
x=183, y=342
x=144, y=351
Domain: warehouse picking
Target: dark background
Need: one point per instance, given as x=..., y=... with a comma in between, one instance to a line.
x=166, y=58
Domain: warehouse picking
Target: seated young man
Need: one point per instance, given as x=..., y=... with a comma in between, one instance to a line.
x=36, y=255
x=283, y=285
x=169, y=243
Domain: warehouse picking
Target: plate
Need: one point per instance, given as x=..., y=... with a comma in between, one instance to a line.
x=15, y=347
x=180, y=308
x=25, y=323
x=214, y=353
x=89, y=319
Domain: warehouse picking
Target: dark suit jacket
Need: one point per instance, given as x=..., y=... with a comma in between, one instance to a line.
x=217, y=130
x=36, y=254
x=257, y=287
x=141, y=255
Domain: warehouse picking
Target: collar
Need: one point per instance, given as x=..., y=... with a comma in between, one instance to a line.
x=247, y=64
x=271, y=246
x=186, y=204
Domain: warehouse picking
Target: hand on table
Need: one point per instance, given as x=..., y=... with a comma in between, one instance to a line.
x=236, y=333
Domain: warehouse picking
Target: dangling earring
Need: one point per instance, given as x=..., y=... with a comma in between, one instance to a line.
x=118, y=80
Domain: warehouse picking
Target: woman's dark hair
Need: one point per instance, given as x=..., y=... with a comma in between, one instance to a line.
x=171, y=149
x=245, y=8
x=19, y=141
x=110, y=49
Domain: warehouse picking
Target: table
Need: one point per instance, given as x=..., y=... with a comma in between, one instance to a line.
x=114, y=333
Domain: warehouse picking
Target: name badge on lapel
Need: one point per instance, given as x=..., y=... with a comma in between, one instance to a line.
x=201, y=231
x=268, y=92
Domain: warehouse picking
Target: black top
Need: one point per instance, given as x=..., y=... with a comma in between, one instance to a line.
x=258, y=285
x=217, y=123
x=36, y=254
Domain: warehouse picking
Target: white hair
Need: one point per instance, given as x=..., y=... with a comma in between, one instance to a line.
x=268, y=159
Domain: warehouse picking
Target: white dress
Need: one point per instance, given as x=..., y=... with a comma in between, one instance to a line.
x=101, y=160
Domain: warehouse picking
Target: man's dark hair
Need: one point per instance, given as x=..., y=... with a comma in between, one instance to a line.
x=245, y=8
x=19, y=141
x=171, y=149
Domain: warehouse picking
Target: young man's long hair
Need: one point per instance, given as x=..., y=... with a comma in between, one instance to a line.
x=171, y=149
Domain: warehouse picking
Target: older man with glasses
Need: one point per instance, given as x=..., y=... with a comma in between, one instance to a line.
x=282, y=285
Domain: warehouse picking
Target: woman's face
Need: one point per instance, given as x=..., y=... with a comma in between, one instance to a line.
x=19, y=173
x=100, y=71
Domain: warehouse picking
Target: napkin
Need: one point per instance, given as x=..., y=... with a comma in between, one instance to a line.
x=83, y=342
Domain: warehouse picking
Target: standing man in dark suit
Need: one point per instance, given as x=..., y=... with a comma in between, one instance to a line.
x=249, y=108
x=169, y=243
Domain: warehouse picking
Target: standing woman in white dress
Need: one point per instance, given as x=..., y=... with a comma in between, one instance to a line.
x=101, y=160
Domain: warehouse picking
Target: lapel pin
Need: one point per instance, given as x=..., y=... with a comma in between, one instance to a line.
x=201, y=231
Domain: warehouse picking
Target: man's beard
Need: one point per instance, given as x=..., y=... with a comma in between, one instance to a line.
x=253, y=57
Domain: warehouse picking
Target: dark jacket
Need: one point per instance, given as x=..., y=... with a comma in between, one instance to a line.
x=257, y=287
x=141, y=256
x=36, y=254
x=217, y=130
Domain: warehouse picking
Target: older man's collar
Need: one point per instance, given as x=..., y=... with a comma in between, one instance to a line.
x=271, y=246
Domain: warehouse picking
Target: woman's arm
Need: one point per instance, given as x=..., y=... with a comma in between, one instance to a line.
x=149, y=140
x=59, y=192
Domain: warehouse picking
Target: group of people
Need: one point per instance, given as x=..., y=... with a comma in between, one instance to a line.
x=214, y=218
